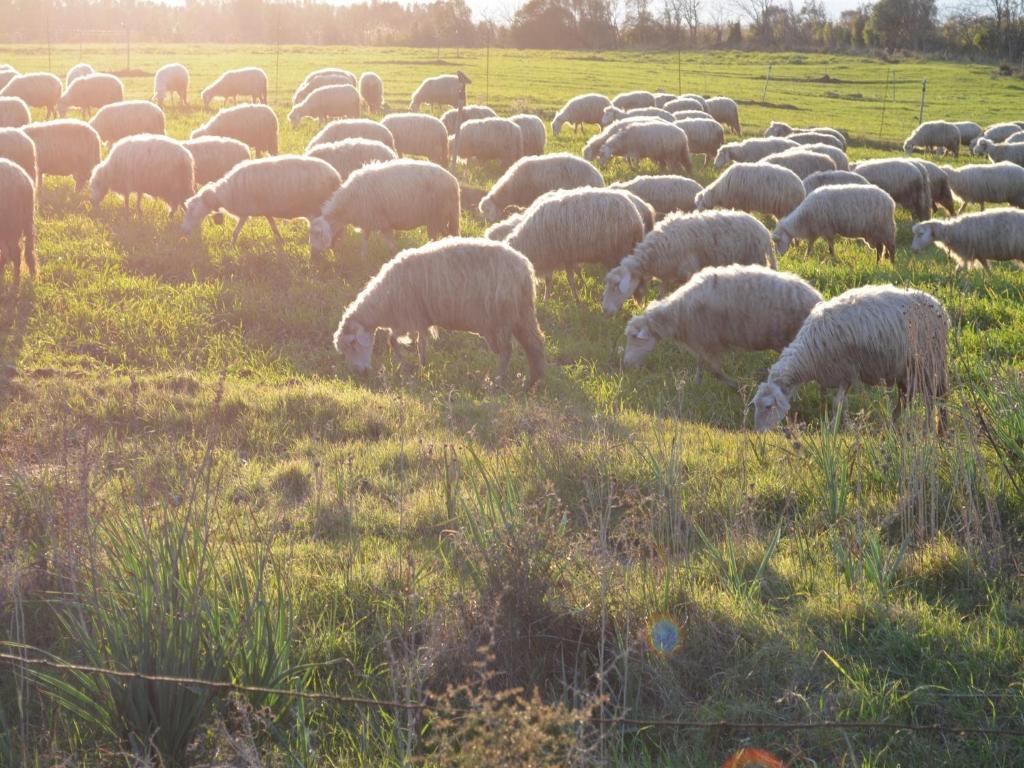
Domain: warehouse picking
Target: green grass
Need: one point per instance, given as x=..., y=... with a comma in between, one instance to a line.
x=414, y=516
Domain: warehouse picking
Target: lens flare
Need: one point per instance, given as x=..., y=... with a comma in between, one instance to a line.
x=665, y=635
x=749, y=757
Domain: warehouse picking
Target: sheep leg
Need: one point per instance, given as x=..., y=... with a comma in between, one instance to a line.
x=389, y=238
x=421, y=345
x=901, y=399
x=138, y=203
x=840, y=400
x=547, y=285
x=983, y=205
x=238, y=229
x=716, y=370
x=127, y=204
x=501, y=344
x=570, y=276
x=277, y=234
x=832, y=250
x=364, y=249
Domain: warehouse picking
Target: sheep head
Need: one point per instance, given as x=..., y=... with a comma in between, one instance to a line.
x=781, y=238
x=197, y=208
x=924, y=235
x=355, y=344
x=640, y=341
x=320, y=235
x=770, y=406
x=619, y=285
x=723, y=158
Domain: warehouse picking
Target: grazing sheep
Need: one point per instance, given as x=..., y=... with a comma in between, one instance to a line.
x=18, y=202
x=934, y=135
x=663, y=143
x=214, y=156
x=754, y=188
x=490, y=138
x=1015, y=138
x=502, y=229
x=906, y=181
x=831, y=178
x=350, y=155
x=531, y=177
x=661, y=98
x=77, y=71
x=704, y=135
x=339, y=130
x=838, y=156
x=254, y=124
x=371, y=88
x=535, y=133
x=784, y=129
x=597, y=141
x=250, y=81
x=999, y=132
x=128, y=118
x=817, y=137
x=460, y=284
x=328, y=101
x=14, y=112
x=683, y=244
x=845, y=210
x=453, y=118
x=938, y=183
x=997, y=153
x=647, y=213
x=800, y=162
x=614, y=114
x=65, y=148
x=286, y=187
x=579, y=111
x=975, y=237
x=968, y=132
x=877, y=334
x=16, y=146
x=691, y=114
x=750, y=151
x=37, y=89
x=684, y=104
x=416, y=134
x=443, y=90
x=320, y=78
x=666, y=194
x=568, y=227
x=6, y=75
x=383, y=197
x=146, y=165
x=634, y=100
x=725, y=111
x=996, y=183
x=745, y=307
x=171, y=78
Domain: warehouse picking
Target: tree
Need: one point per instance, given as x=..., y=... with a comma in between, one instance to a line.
x=903, y=23
x=758, y=13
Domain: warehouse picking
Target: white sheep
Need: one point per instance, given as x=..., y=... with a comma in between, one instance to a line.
x=16, y=146
x=593, y=146
x=585, y=109
x=934, y=135
x=214, y=156
x=995, y=183
x=817, y=137
x=697, y=98
x=146, y=165
x=350, y=155
x=997, y=153
x=128, y=118
x=531, y=177
x=13, y=112
x=339, y=130
x=741, y=307
x=77, y=71
x=490, y=138
x=754, y=188
x=725, y=111
x=326, y=102
x=846, y=210
x=938, y=182
x=905, y=180
x=838, y=156
x=65, y=148
x=320, y=78
x=249, y=81
x=453, y=118
x=662, y=143
x=447, y=90
x=684, y=104
x=371, y=88
x=996, y=235
x=37, y=89
x=999, y=132
x=6, y=75
x=254, y=124
x=750, y=150
x=831, y=178
x=877, y=334
x=779, y=129
x=968, y=131
x=614, y=114
x=416, y=134
x=691, y=114
x=666, y=194
x=1015, y=138
x=502, y=229
x=634, y=100
x=535, y=133
x=18, y=202
x=171, y=78
x=801, y=162
x=704, y=136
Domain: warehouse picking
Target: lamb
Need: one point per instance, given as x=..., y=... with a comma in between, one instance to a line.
x=146, y=165
x=996, y=183
x=350, y=155
x=934, y=135
x=564, y=228
x=13, y=112
x=448, y=90
x=874, y=334
x=802, y=163
x=286, y=187
x=779, y=129
x=684, y=104
x=128, y=118
x=838, y=156
x=535, y=133
x=461, y=284
x=586, y=109
x=844, y=210
x=725, y=111
x=214, y=156
x=371, y=88
x=633, y=100
x=383, y=197
x=666, y=194
x=614, y=114
x=416, y=134
x=502, y=229
x=250, y=81
x=18, y=202
x=938, y=183
x=16, y=146
x=36, y=89
x=453, y=118
x=491, y=138
x=831, y=178
x=91, y=92
x=663, y=143
x=754, y=188
x=750, y=151
x=320, y=78
x=702, y=315
x=65, y=148
x=968, y=131
x=996, y=235
x=171, y=78
x=339, y=130
x=326, y=102
x=254, y=124
x=704, y=136
x=998, y=153
x=531, y=177
x=817, y=137
x=597, y=141
x=77, y=71
x=683, y=244
x=906, y=181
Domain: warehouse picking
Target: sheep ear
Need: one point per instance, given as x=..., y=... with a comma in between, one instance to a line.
x=625, y=283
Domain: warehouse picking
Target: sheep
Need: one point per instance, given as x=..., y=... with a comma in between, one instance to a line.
x=286, y=187
x=750, y=150
x=371, y=88
x=725, y=111
x=838, y=156
x=18, y=202
x=594, y=144
x=975, y=237
x=1014, y=138
x=755, y=188
x=567, y=227
x=905, y=180
x=16, y=146
x=874, y=334
x=490, y=138
x=214, y=156
x=36, y=89
x=683, y=244
x=996, y=183
x=416, y=134
x=146, y=165
x=938, y=183
x=779, y=129
x=13, y=112
x=934, y=135
x=998, y=153
x=352, y=154
x=128, y=118
x=453, y=118
x=65, y=148
x=661, y=98
x=704, y=136
x=691, y=114
x=648, y=215
x=171, y=78
x=817, y=137
x=681, y=104
x=383, y=197
x=254, y=124
x=6, y=75
x=339, y=130
x=830, y=178
x=531, y=177
x=77, y=71
x=460, y=284
x=448, y=90
x=633, y=100
x=746, y=307
x=666, y=194
x=502, y=229
x=535, y=133
x=614, y=114
x=320, y=78
x=999, y=132
x=968, y=131
x=663, y=143
x=843, y=210
x=326, y=102
x=586, y=109
x=250, y=81
x=802, y=163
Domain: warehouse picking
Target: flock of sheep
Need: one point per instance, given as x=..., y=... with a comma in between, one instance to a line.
x=547, y=212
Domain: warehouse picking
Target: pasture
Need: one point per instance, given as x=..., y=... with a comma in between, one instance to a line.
x=192, y=484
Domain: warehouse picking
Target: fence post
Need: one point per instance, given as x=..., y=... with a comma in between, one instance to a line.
x=924, y=87
x=679, y=64
x=487, y=67
x=767, y=79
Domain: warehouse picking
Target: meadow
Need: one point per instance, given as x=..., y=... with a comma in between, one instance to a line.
x=192, y=484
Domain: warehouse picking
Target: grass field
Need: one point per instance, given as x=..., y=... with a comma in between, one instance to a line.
x=192, y=484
